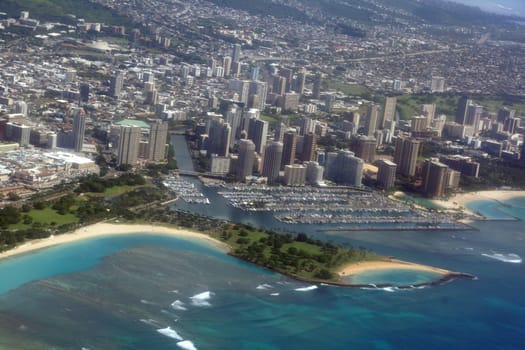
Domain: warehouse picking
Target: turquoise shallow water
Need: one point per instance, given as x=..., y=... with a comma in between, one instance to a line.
x=149, y=292
x=395, y=277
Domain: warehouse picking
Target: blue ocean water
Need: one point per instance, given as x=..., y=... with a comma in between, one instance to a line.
x=156, y=292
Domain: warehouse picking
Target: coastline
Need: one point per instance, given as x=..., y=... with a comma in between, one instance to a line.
x=104, y=229
x=458, y=201
x=365, y=266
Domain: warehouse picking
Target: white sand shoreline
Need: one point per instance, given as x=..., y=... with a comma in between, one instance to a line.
x=104, y=229
x=364, y=266
x=496, y=195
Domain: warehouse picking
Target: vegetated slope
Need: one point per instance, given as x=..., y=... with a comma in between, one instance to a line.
x=61, y=11
x=366, y=11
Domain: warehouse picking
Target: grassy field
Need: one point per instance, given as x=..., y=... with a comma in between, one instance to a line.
x=348, y=89
x=272, y=120
x=114, y=191
x=46, y=216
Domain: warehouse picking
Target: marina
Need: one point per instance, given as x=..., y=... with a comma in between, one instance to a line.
x=185, y=190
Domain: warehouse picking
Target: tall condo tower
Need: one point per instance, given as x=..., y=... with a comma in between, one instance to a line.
x=157, y=141
x=128, y=149
x=79, y=127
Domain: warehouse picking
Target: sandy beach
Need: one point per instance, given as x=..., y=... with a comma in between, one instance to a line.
x=356, y=268
x=107, y=229
x=458, y=201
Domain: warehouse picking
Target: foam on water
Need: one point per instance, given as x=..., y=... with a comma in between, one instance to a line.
x=275, y=294
x=201, y=299
x=186, y=345
x=169, y=332
x=150, y=322
x=306, y=289
x=178, y=305
x=508, y=258
x=263, y=286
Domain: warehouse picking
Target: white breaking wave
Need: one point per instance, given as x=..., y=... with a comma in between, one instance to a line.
x=187, y=345
x=306, y=289
x=386, y=289
x=263, y=286
x=150, y=322
x=508, y=258
x=274, y=294
x=201, y=299
x=168, y=332
x=178, y=305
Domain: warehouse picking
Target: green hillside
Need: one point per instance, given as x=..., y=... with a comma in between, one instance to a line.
x=62, y=11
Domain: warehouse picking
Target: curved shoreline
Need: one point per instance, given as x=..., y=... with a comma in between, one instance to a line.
x=365, y=266
x=460, y=200
x=104, y=229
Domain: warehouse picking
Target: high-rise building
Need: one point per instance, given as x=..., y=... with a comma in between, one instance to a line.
x=287, y=73
x=434, y=176
x=116, y=84
x=279, y=85
x=236, y=53
x=346, y=168
x=289, y=148
x=461, y=112
x=227, y=65
x=245, y=160
x=21, y=108
x=272, y=161
x=294, y=175
x=279, y=132
x=511, y=124
x=254, y=74
x=371, y=124
x=418, y=124
x=258, y=133
x=428, y=111
x=128, y=146
x=259, y=89
x=291, y=102
x=473, y=115
x=309, y=147
x=234, y=118
x=19, y=133
x=386, y=174
x=84, y=92
x=389, y=111
x=219, y=137
x=219, y=165
x=504, y=114
x=366, y=148
x=316, y=90
x=158, y=134
x=405, y=155
x=300, y=81
x=314, y=172
x=79, y=127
